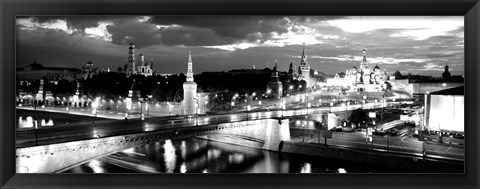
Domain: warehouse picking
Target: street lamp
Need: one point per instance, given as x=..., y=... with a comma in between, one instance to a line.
x=308, y=106
x=254, y=94
x=141, y=109
x=303, y=131
x=388, y=141
x=170, y=108
x=36, y=133
x=306, y=101
x=35, y=108
x=364, y=100
x=248, y=109
x=146, y=107
x=260, y=103
x=196, y=111
x=95, y=105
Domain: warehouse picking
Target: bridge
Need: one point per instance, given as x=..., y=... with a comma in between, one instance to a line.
x=263, y=134
x=61, y=147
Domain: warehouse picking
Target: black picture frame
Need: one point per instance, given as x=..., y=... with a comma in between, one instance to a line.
x=10, y=8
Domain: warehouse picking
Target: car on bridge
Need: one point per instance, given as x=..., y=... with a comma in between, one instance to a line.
x=337, y=128
x=379, y=132
x=392, y=132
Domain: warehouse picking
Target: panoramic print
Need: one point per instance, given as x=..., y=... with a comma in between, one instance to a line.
x=240, y=94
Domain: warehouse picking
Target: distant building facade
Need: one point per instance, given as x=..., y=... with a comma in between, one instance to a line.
x=88, y=70
x=36, y=71
x=140, y=67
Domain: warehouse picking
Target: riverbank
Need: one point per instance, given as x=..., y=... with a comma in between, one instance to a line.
x=413, y=164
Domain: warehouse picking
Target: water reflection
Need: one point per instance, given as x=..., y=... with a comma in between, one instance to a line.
x=169, y=156
x=306, y=168
x=28, y=122
x=194, y=155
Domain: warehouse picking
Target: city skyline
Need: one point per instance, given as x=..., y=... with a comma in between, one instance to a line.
x=417, y=45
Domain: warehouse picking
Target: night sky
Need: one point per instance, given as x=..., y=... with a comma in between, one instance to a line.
x=417, y=45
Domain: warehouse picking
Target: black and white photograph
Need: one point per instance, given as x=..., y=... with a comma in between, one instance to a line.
x=239, y=94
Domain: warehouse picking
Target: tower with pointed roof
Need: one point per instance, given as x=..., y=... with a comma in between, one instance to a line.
x=41, y=91
x=189, y=90
x=88, y=70
x=446, y=74
x=364, y=64
x=133, y=95
x=78, y=95
x=274, y=85
x=305, y=68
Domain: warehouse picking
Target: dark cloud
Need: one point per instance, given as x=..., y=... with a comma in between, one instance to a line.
x=58, y=48
x=128, y=30
x=168, y=45
x=236, y=27
x=190, y=36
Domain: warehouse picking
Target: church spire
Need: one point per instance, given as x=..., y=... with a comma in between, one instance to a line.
x=364, y=56
x=363, y=64
x=304, y=57
x=275, y=68
x=189, y=68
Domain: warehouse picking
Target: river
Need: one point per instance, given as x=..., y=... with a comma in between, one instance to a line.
x=193, y=155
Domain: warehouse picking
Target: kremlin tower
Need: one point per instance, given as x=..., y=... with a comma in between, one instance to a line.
x=305, y=68
x=189, y=90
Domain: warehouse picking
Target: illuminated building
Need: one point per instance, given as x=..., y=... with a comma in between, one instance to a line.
x=144, y=68
x=40, y=94
x=444, y=110
x=140, y=67
x=362, y=78
x=304, y=69
x=133, y=95
x=190, y=98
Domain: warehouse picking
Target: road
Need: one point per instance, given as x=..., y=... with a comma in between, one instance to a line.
x=403, y=143
x=56, y=134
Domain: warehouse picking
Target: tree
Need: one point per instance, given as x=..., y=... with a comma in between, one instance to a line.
x=358, y=116
x=159, y=94
x=178, y=95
